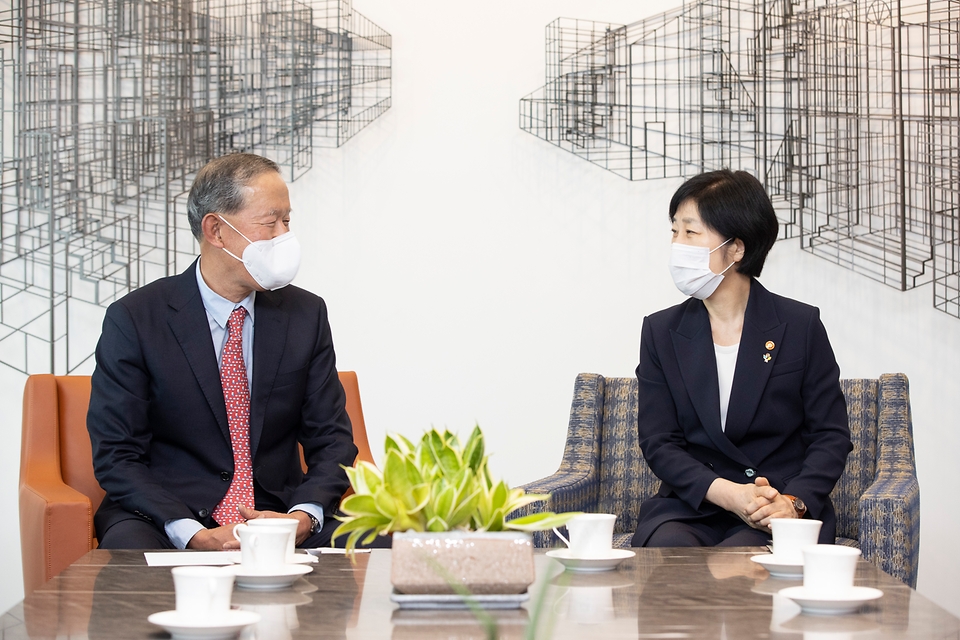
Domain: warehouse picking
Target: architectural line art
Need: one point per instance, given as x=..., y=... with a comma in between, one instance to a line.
x=109, y=109
x=847, y=111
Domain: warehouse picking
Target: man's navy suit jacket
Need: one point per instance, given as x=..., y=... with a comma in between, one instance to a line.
x=158, y=422
x=786, y=421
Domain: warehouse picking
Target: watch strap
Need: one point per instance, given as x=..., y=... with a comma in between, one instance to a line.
x=798, y=505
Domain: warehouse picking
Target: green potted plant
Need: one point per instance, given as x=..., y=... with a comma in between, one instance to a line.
x=447, y=515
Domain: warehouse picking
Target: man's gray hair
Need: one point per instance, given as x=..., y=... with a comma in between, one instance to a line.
x=218, y=187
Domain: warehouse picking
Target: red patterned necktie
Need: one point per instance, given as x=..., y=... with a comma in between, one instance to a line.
x=236, y=394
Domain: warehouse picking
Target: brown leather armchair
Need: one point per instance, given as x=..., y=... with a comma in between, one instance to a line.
x=58, y=491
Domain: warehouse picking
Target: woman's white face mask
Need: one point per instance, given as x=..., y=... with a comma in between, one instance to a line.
x=690, y=268
x=272, y=263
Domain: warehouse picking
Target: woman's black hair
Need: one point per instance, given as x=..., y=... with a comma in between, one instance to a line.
x=735, y=205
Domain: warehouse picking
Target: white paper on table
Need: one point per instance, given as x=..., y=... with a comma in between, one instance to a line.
x=183, y=558
x=324, y=550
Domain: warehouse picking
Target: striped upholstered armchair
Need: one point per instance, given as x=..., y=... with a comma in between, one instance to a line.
x=877, y=499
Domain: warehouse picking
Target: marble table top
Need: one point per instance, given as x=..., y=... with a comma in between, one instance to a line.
x=660, y=593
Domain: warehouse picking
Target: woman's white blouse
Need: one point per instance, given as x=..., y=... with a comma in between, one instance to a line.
x=726, y=365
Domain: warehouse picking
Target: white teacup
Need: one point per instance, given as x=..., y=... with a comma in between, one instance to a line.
x=262, y=547
x=829, y=568
x=285, y=524
x=791, y=535
x=591, y=535
x=202, y=591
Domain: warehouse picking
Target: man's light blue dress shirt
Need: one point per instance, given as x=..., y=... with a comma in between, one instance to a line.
x=218, y=312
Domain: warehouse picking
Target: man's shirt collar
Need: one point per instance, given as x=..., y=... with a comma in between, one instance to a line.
x=218, y=307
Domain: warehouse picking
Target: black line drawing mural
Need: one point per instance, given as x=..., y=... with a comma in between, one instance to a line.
x=847, y=111
x=110, y=106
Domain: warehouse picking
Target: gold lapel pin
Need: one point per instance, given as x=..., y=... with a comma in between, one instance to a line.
x=770, y=345
x=767, y=357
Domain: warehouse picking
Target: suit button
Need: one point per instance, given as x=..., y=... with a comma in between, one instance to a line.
x=749, y=473
x=225, y=475
x=203, y=513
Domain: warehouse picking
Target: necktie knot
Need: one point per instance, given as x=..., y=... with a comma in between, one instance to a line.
x=235, y=321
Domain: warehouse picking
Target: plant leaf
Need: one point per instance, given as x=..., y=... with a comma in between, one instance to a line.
x=443, y=504
x=493, y=522
x=421, y=495
x=438, y=524
x=371, y=537
x=473, y=451
x=356, y=482
x=465, y=509
x=523, y=499
x=359, y=526
x=386, y=504
x=447, y=458
x=364, y=478
x=540, y=521
x=498, y=499
x=405, y=522
x=396, y=475
x=408, y=446
x=391, y=445
x=413, y=473
x=425, y=458
x=359, y=505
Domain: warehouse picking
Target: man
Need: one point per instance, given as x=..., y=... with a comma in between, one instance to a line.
x=206, y=381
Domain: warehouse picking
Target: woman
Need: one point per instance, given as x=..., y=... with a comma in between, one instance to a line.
x=741, y=414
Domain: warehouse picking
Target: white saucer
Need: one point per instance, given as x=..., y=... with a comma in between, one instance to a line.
x=590, y=564
x=779, y=568
x=820, y=603
x=223, y=625
x=278, y=578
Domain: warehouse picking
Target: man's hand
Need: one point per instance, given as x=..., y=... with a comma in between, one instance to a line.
x=223, y=538
x=303, y=528
x=214, y=539
x=743, y=500
x=779, y=507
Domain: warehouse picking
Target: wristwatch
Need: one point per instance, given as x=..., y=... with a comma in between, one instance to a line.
x=314, y=523
x=798, y=505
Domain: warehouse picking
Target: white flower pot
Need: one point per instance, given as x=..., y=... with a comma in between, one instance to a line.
x=483, y=562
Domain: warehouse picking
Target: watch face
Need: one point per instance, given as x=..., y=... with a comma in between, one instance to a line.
x=798, y=504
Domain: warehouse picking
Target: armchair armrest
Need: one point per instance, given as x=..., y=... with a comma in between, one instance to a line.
x=56, y=528
x=890, y=525
x=569, y=491
x=576, y=484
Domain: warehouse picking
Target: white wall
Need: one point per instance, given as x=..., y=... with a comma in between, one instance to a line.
x=473, y=270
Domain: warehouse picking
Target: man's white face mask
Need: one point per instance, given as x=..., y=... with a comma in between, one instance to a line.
x=272, y=263
x=690, y=268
